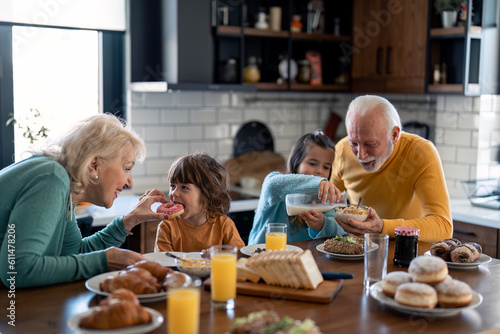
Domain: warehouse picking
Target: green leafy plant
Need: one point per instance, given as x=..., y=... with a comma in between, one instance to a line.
x=447, y=5
x=32, y=130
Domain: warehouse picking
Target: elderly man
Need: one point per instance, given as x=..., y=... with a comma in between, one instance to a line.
x=399, y=175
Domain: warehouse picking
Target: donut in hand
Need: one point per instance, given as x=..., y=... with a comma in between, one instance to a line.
x=171, y=209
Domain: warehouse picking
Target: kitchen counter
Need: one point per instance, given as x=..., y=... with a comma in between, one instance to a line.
x=463, y=211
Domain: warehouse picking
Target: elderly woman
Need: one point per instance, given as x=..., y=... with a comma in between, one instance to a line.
x=40, y=242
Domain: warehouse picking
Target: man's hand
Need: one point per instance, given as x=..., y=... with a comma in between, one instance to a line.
x=372, y=224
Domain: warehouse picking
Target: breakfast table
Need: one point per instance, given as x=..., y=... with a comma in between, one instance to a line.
x=352, y=310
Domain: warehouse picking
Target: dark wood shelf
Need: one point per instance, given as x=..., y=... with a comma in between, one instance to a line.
x=446, y=88
x=270, y=86
x=321, y=37
x=229, y=30
x=318, y=88
x=454, y=31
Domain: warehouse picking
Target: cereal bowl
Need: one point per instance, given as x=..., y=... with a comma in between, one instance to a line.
x=344, y=212
x=194, y=266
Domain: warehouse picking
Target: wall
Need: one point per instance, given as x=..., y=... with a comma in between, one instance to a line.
x=183, y=122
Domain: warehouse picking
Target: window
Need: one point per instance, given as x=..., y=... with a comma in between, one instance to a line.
x=56, y=71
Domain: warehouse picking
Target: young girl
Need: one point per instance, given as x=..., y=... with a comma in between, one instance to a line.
x=201, y=185
x=309, y=168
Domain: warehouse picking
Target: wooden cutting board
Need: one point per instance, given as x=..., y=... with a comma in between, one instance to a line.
x=324, y=293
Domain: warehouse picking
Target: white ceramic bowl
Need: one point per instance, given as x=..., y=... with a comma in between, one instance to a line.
x=344, y=212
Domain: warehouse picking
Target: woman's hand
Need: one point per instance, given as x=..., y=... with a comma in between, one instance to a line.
x=372, y=224
x=327, y=190
x=142, y=211
x=313, y=219
x=120, y=258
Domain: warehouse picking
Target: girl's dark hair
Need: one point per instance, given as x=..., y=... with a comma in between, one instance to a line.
x=207, y=174
x=302, y=147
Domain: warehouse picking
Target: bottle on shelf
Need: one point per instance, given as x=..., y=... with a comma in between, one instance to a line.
x=251, y=72
x=437, y=74
x=443, y=73
x=296, y=24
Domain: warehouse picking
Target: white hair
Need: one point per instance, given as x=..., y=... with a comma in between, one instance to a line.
x=363, y=105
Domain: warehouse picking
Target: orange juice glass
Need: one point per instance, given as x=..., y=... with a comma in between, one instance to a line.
x=275, y=236
x=183, y=309
x=223, y=275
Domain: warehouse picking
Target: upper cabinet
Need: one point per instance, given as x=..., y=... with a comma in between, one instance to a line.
x=463, y=54
x=389, y=46
x=283, y=45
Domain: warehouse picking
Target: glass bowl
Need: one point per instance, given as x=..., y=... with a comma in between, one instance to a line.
x=193, y=266
x=344, y=212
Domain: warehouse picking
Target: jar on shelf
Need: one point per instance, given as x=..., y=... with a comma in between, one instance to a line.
x=437, y=74
x=304, y=71
x=251, y=72
x=229, y=72
x=296, y=24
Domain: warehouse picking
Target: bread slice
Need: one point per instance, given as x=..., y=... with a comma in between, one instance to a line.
x=243, y=273
x=296, y=269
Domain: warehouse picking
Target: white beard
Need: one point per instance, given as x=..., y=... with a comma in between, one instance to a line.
x=378, y=161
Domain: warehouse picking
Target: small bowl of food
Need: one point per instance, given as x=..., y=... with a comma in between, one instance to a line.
x=193, y=266
x=351, y=211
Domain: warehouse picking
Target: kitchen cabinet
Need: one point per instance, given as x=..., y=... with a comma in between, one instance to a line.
x=469, y=51
x=389, y=46
x=487, y=237
x=237, y=40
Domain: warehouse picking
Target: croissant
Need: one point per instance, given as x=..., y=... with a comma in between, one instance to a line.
x=120, y=294
x=156, y=269
x=132, y=282
x=444, y=248
x=142, y=273
x=116, y=314
x=467, y=252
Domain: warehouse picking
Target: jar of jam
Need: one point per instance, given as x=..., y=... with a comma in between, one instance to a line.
x=406, y=246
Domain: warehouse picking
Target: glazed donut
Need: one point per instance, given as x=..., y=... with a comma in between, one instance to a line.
x=467, y=252
x=417, y=295
x=171, y=209
x=428, y=269
x=394, y=279
x=444, y=248
x=453, y=293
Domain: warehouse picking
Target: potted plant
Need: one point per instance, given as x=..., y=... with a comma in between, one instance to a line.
x=448, y=9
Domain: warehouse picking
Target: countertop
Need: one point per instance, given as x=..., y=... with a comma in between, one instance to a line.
x=463, y=211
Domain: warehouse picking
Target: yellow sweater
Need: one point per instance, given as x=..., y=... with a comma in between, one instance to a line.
x=408, y=190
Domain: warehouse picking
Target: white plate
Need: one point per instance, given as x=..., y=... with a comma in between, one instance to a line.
x=93, y=285
x=250, y=249
x=377, y=293
x=157, y=320
x=167, y=261
x=321, y=249
x=483, y=258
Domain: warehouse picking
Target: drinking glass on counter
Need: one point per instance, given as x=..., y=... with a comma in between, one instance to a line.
x=276, y=236
x=376, y=249
x=223, y=275
x=183, y=309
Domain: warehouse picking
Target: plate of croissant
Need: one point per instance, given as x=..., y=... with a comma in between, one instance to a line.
x=458, y=255
x=148, y=280
x=120, y=313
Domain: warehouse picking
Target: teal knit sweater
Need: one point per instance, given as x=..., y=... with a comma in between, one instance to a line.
x=39, y=243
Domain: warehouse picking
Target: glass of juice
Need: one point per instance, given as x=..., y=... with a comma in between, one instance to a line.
x=276, y=236
x=223, y=275
x=183, y=309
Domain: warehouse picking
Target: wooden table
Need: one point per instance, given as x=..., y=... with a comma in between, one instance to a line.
x=47, y=309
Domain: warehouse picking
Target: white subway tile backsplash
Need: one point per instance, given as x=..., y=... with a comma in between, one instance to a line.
x=230, y=115
x=217, y=99
x=160, y=133
x=447, y=153
x=467, y=155
x=225, y=147
x=457, y=137
x=189, y=99
x=447, y=120
x=174, y=116
x=220, y=131
x=255, y=115
x=187, y=132
x=158, y=167
x=146, y=116
x=202, y=116
x=468, y=121
x=172, y=149
x=458, y=103
x=162, y=100
x=455, y=170
x=206, y=146
x=153, y=149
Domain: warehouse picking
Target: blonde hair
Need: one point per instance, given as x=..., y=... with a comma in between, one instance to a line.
x=102, y=136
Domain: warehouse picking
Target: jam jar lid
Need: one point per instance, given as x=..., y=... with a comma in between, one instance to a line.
x=407, y=231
